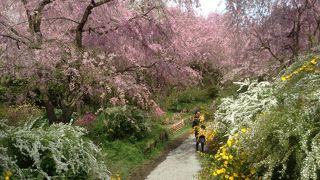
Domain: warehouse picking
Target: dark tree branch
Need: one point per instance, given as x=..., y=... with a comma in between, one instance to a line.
x=35, y=19
x=13, y=38
x=84, y=19
x=135, y=67
x=62, y=18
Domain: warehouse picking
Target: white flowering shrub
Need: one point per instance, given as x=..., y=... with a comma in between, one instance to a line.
x=282, y=121
x=37, y=151
x=236, y=112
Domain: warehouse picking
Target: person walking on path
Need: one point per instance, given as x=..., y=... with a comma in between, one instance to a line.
x=201, y=137
x=198, y=132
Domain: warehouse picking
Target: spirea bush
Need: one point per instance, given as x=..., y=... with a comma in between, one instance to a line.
x=283, y=125
x=236, y=112
x=284, y=142
x=48, y=152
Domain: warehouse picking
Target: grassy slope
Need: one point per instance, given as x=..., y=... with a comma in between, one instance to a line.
x=125, y=157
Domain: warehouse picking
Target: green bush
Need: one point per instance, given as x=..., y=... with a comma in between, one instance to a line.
x=213, y=91
x=211, y=74
x=39, y=151
x=126, y=122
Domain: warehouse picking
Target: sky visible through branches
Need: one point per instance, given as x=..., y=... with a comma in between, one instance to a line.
x=208, y=6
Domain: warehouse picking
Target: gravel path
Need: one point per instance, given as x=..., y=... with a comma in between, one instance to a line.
x=180, y=164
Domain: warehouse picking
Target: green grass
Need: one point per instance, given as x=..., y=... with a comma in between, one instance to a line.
x=124, y=155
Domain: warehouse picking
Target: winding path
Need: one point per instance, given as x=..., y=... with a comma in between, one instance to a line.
x=180, y=164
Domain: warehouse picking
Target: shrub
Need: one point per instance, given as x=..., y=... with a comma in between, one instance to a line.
x=213, y=91
x=283, y=122
x=38, y=151
x=236, y=112
x=126, y=122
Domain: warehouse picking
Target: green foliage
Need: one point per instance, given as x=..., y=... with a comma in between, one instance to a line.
x=11, y=87
x=213, y=91
x=39, y=151
x=228, y=89
x=122, y=122
x=17, y=115
x=210, y=73
x=124, y=155
x=178, y=101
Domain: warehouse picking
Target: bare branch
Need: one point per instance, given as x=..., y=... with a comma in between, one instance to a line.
x=62, y=18
x=84, y=19
x=13, y=38
x=135, y=67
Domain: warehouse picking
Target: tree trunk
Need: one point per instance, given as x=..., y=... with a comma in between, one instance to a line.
x=48, y=105
x=66, y=115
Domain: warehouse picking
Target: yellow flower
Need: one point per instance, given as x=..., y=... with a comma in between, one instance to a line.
x=223, y=170
x=309, y=69
x=214, y=174
x=201, y=118
x=225, y=163
x=7, y=175
x=230, y=157
x=224, y=150
x=219, y=171
x=252, y=171
x=289, y=77
x=244, y=130
x=226, y=176
x=235, y=175
x=231, y=178
x=313, y=61
x=283, y=78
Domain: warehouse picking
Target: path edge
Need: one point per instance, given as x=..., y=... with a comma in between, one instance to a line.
x=145, y=169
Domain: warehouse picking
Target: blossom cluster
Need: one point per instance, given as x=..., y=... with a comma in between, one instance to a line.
x=236, y=112
x=308, y=67
x=231, y=164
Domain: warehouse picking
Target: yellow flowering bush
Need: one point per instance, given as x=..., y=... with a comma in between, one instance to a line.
x=117, y=177
x=228, y=162
x=7, y=174
x=310, y=66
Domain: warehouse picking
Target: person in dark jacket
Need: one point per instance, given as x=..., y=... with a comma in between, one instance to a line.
x=195, y=126
x=201, y=137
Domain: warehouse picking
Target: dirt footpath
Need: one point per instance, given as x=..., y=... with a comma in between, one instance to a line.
x=180, y=164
